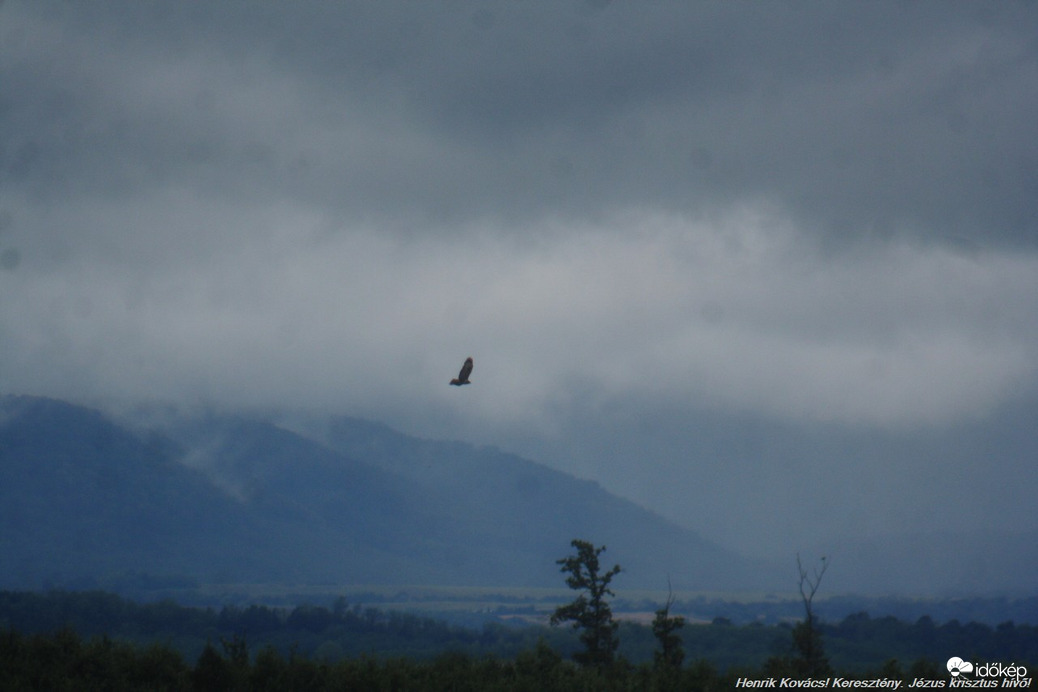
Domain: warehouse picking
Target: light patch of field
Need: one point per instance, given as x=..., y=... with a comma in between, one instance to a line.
x=514, y=604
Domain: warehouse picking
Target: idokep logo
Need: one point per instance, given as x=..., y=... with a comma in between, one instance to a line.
x=956, y=666
x=1014, y=673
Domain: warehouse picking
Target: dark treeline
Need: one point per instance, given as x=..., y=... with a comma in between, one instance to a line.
x=81, y=640
x=63, y=661
x=988, y=610
x=315, y=631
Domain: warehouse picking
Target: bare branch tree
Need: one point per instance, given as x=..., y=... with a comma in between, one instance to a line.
x=664, y=628
x=807, y=638
x=811, y=584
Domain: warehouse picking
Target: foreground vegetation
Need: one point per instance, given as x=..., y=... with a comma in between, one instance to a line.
x=64, y=662
x=95, y=640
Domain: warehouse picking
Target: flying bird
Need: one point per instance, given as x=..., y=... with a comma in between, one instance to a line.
x=463, y=376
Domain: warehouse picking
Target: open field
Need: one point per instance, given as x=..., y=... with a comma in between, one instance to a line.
x=424, y=597
x=471, y=604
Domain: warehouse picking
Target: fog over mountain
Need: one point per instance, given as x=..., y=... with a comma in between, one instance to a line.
x=767, y=270
x=220, y=498
x=236, y=499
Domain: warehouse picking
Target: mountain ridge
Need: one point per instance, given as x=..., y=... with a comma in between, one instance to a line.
x=237, y=497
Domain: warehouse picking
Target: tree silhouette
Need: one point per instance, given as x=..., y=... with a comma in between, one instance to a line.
x=670, y=654
x=807, y=639
x=590, y=612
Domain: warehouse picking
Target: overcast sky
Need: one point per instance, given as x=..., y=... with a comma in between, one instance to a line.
x=770, y=267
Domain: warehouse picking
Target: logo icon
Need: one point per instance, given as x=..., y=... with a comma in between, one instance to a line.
x=956, y=666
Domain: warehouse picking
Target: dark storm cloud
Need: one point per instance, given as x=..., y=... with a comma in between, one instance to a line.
x=871, y=119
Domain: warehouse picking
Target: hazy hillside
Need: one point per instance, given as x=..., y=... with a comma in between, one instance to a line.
x=238, y=499
x=538, y=510
x=80, y=496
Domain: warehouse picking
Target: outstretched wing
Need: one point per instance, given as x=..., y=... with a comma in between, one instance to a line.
x=466, y=370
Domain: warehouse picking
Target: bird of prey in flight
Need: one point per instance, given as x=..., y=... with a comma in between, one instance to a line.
x=463, y=376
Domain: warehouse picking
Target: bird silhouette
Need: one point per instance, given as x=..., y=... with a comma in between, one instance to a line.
x=463, y=376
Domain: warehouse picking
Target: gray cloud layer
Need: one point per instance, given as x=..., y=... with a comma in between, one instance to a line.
x=876, y=119
x=638, y=218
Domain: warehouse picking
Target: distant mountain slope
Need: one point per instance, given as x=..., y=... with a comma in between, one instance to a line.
x=80, y=496
x=536, y=510
x=221, y=498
